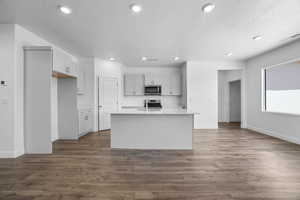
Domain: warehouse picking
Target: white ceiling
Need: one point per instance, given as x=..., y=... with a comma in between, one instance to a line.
x=165, y=28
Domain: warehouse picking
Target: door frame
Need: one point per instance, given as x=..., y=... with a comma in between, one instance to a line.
x=99, y=78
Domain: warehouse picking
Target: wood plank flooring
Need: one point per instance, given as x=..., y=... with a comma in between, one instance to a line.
x=226, y=164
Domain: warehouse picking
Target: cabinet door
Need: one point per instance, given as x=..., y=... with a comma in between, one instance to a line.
x=171, y=85
x=129, y=84
x=176, y=84
x=70, y=67
x=73, y=66
x=81, y=122
x=166, y=85
x=139, y=84
x=149, y=79
x=90, y=121
x=134, y=84
x=81, y=82
x=154, y=79
x=58, y=61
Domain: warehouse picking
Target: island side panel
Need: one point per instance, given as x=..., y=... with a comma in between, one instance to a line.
x=151, y=131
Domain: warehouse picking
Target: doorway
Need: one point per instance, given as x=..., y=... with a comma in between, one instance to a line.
x=230, y=98
x=235, y=101
x=108, y=95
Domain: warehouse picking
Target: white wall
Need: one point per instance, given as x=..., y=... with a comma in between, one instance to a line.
x=279, y=125
x=202, y=90
x=7, y=98
x=167, y=101
x=224, y=77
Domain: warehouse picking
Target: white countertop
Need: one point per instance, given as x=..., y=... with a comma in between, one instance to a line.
x=152, y=112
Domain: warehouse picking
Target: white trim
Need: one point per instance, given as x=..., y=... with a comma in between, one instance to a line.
x=263, y=90
x=274, y=134
x=7, y=154
x=282, y=113
x=282, y=63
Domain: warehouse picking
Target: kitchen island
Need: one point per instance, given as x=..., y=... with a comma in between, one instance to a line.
x=144, y=129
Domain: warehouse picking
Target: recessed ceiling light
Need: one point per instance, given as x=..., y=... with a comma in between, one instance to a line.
x=65, y=10
x=135, y=8
x=257, y=37
x=144, y=58
x=207, y=8
x=176, y=58
x=112, y=59
x=229, y=54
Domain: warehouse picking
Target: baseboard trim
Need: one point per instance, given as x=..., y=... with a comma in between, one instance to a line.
x=7, y=154
x=274, y=134
x=19, y=153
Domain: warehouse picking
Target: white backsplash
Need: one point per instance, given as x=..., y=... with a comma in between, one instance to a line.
x=138, y=101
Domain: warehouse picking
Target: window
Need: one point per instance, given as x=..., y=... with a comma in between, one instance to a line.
x=281, y=88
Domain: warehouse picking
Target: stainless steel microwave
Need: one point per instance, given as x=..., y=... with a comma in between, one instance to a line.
x=152, y=90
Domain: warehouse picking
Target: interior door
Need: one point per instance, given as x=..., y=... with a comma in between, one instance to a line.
x=108, y=100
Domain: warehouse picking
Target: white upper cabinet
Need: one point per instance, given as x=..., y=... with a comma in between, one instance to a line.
x=64, y=63
x=134, y=84
x=58, y=60
x=176, y=84
x=172, y=84
x=81, y=81
x=153, y=79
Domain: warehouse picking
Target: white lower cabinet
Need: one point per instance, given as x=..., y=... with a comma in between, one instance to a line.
x=85, y=121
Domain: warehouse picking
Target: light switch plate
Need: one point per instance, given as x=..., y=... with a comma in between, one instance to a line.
x=3, y=83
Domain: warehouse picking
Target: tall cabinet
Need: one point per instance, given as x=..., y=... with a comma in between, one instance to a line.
x=37, y=99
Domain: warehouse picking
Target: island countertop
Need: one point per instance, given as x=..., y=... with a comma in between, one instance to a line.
x=152, y=112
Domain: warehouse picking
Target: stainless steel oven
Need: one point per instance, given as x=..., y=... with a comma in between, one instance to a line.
x=152, y=90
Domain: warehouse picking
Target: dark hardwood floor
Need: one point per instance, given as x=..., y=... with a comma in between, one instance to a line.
x=229, y=124
x=226, y=164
